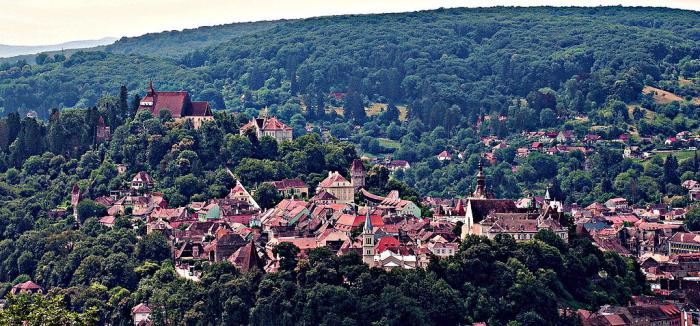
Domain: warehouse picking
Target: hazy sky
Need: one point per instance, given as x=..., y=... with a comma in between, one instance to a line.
x=34, y=22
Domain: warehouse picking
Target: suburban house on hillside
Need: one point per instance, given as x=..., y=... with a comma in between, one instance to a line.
x=271, y=126
x=178, y=104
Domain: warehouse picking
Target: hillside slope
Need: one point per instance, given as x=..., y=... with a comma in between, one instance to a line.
x=173, y=44
x=472, y=60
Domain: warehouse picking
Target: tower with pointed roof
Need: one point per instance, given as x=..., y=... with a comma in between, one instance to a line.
x=358, y=174
x=368, y=240
x=480, y=191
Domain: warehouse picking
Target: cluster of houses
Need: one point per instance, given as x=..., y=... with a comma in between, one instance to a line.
x=667, y=253
x=390, y=232
x=386, y=230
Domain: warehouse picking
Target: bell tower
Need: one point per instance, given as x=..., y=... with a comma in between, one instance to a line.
x=480, y=191
x=368, y=240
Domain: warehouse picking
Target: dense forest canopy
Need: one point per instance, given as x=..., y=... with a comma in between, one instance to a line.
x=474, y=59
x=171, y=44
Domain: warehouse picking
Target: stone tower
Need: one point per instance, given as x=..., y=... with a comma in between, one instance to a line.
x=358, y=174
x=368, y=240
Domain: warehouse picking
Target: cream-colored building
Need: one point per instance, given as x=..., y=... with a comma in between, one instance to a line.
x=269, y=127
x=336, y=185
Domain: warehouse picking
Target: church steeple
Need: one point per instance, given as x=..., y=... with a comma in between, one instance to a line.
x=368, y=240
x=480, y=191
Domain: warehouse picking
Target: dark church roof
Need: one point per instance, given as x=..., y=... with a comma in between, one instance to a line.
x=483, y=206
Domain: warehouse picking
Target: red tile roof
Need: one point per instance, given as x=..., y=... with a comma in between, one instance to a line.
x=386, y=243
x=274, y=124
x=444, y=154
x=684, y=237
x=141, y=309
x=333, y=177
x=289, y=183
x=28, y=285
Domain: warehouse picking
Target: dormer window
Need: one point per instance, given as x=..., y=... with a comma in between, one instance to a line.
x=146, y=103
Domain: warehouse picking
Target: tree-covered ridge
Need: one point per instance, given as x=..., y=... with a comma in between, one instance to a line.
x=475, y=60
x=174, y=44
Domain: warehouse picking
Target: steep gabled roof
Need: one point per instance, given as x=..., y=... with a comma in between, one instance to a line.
x=323, y=196
x=481, y=207
x=246, y=258
x=333, y=177
x=141, y=308
x=28, y=285
x=273, y=124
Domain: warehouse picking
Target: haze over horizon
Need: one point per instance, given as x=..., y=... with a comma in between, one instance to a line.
x=42, y=22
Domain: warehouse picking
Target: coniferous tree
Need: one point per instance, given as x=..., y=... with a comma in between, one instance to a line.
x=354, y=108
x=123, y=105
x=671, y=171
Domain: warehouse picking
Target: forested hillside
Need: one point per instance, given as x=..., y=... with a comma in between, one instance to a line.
x=174, y=44
x=469, y=60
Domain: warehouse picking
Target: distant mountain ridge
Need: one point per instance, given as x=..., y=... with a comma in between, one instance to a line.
x=16, y=50
x=174, y=44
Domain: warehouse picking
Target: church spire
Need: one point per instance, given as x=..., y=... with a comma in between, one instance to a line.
x=368, y=221
x=368, y=240
x=480, y=191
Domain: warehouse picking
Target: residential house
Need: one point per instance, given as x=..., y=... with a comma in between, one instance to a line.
x=141, y=314
x=291, y=188
x=632, y=152
x=240, y=193
x=392, y=203
x=617, y=203
x=444, y=156
x=27, y=287
x=271, y=126
x=566, y=136
x=395, y=165
x=142, y=181
x=591, y=139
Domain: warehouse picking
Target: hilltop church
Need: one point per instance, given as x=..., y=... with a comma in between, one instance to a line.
x=178, y=103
